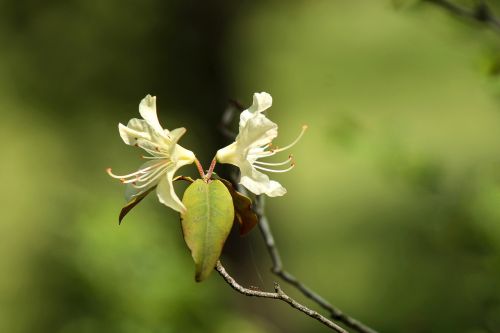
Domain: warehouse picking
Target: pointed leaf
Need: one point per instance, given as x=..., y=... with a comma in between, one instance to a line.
x=243, y=212
x=132, y=203
x=206, y=223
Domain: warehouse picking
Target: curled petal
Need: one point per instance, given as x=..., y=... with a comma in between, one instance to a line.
x=257, y=131
x=258, y=182
x=130, y=135
x=176, y=134
x=166, y=193
x=138, y=129
x=261, y=102
x=147, y=109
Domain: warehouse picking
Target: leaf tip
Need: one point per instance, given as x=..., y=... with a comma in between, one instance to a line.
x=121, y=216
x=201, y=275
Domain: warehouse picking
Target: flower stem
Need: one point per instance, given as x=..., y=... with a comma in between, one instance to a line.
x=200, y=168
x=211, y=169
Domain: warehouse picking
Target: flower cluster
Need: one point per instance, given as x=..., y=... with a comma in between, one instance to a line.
x=165, y=156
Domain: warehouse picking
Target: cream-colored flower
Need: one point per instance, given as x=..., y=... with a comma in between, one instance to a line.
x=165, y=156
x=254, y=141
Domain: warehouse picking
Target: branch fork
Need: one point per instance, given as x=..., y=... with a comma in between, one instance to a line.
x=278, y=294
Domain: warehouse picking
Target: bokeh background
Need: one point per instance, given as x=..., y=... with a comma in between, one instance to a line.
x=393, y=210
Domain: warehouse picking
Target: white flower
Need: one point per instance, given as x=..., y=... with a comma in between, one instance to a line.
x=254, y=141
x=165, y=156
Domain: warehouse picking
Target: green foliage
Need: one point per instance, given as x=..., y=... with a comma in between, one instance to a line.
x=404, y=133
x=207, y=223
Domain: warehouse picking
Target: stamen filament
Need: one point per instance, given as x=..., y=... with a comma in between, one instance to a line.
x=140, y=171
x=152, y=157
x=160, y=169
x=273, y=170
x=275, y=164
x=144, y=177
x=304, y=128
x=265, y=153
x=151, y=180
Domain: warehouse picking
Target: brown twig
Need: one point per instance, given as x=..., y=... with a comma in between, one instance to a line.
x=277, y=268
x=278, y=294
x=481, y=12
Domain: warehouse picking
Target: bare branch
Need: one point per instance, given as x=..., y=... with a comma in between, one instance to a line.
x=481, y=12
x=277, y=269
x=278, y=294
x=265, y=230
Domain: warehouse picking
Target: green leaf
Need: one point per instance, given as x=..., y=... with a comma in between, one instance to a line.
x=132, y=203
x=243, y=212
x=206, y=223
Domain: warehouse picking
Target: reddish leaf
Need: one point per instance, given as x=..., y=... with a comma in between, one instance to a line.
x=132, y=203
x=243, y=212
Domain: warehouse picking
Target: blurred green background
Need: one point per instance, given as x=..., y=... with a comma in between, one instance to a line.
x=393, y=210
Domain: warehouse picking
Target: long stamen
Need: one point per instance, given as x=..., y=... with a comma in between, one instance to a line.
x=275, y=164
x=265, y=153
x=150, y=181
x=148, y=176
x=152, y=157
x=140, y=171
x=273, y=170
x=304, y=128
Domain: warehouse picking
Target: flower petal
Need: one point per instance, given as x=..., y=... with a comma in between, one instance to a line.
x=176, y=134
x=135, y=129
x=147, y=109
x=182, y=156
x=129, y=135
x=261, y=102
x=166, y=193
x=229, y=154
x=258, y=182
x=257, y=131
